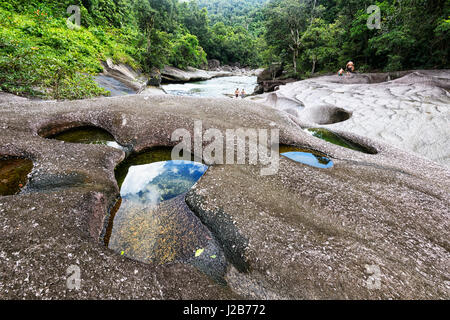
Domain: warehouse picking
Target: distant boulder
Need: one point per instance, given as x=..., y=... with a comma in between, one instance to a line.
x=120, y=79
x=273, y=71
x=131, y=78
x=8, y=97
x=154, y=78
x=235, y=65
x=271, y=85
x=175, y=75
x=213, y=64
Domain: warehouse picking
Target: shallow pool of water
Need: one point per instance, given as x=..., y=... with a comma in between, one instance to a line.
x=336, y=139
x=217, y=87
x=87, y=135
x=306, y=156
x=150, y=184
x=13, y=175
x=152, y=223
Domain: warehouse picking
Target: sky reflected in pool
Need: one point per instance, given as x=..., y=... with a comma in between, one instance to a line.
x=153, y=183
x=151, y=222
x=309, y=157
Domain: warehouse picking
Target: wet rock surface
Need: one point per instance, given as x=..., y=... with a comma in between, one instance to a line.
x=408, y=109
x=304, y=232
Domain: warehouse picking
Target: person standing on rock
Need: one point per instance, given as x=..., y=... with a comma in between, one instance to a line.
x=236, y=93
x=243, y=93
x=350, y=67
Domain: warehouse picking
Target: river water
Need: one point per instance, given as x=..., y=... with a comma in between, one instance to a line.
x=214, y=88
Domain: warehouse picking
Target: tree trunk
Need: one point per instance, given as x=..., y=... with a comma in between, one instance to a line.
x=295, y=60
x=313, y=11
x=296, y=43
x=313, y=66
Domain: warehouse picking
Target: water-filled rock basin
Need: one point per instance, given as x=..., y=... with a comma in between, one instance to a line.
x=87, y=135
x=13, y=174
x=336, y=139
x=306, y=156
x=152, y=222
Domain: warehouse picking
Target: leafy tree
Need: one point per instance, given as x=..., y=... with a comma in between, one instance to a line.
x=246, y=13
x=286, y=21
x=413, y=34
x=187, y=52
x=196, y=21
x=39, y=55
x=319, y=45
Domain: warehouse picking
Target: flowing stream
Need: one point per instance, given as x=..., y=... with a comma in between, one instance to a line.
x=214, y=88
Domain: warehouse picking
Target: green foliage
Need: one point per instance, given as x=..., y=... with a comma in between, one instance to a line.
x=232, y=44
x=17, y=67
x=246, y=14
x=319, y=45
x=413, y=34
x=227, y=36
x=286, y=22
x=187, y=52
x=40, y=56
x=441, y=40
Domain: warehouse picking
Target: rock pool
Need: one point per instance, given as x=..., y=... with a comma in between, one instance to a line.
x=306, y=156
x=151, y=222
x=87, y=135
x=336, y=139
x=13, y=175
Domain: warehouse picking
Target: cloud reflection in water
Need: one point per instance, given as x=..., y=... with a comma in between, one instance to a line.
x=309, y=158
x=149, y=184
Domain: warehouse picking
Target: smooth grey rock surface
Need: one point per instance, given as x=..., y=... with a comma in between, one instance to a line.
x=175, y=75
x=411, y=112
x=172, y=74
x=301, y=233
x=131, y=78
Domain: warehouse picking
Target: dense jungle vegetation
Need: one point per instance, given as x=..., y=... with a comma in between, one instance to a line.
x=41, y=56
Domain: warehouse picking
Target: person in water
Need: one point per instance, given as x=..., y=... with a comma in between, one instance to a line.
x=350, y=67
x=236, y=93
x=243, y=93
x=341, y=72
